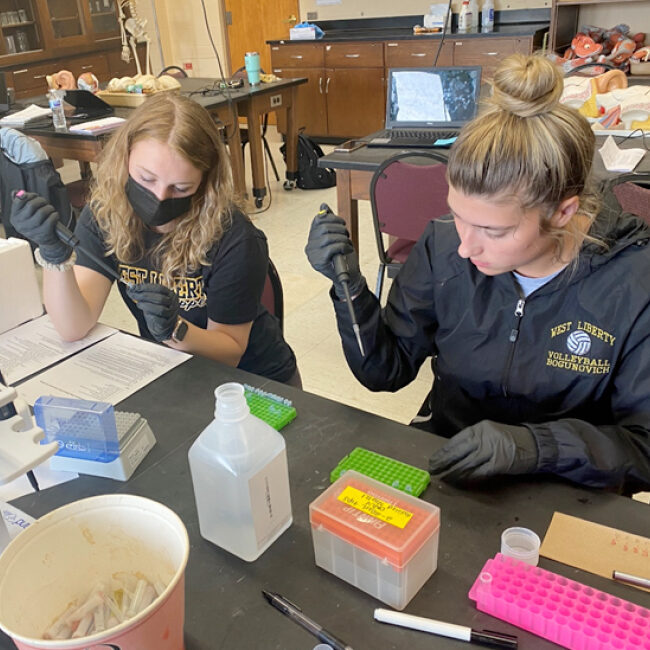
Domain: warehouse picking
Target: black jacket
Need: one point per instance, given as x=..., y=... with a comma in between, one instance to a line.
x=571, y=361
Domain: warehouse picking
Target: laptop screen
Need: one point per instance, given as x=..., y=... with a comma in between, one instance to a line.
x=432, y=97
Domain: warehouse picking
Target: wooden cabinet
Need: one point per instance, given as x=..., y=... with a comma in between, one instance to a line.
x=487, y=53
x=345, y=96
x=20, y=30
x=65, y=24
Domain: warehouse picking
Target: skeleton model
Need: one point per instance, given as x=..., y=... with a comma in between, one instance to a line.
x=133, y=29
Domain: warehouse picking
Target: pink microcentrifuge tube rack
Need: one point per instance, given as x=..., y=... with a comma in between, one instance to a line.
x=563, y=611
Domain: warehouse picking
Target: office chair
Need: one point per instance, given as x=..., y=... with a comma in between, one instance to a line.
x=25, y=165
x=406, y=193
x=273, y=296
x=241, y=74
x=173, y=71
x=632, y=191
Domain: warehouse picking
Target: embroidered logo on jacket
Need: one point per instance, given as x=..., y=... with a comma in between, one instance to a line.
x=579, y=341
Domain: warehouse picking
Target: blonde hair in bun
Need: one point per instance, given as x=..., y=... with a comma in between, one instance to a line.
x=528, y=147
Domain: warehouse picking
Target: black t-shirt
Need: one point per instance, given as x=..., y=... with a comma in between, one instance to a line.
x=227, y=290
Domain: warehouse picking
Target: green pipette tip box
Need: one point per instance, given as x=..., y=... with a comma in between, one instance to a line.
x=401, y=476
x=270, y=408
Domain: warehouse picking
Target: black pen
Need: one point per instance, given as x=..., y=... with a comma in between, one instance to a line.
x=295, y=614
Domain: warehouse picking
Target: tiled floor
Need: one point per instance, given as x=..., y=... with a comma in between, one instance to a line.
x=310, y=326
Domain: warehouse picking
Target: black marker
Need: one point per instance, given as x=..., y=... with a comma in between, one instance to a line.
x=295, y=614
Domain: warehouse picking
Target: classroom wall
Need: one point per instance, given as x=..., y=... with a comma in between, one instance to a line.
x=635, y=14
x=185, y=38
x=338, y=9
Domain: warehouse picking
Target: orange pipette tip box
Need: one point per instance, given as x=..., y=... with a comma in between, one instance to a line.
x=375, y=537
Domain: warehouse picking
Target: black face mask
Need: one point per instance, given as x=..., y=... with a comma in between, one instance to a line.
x=151, y=209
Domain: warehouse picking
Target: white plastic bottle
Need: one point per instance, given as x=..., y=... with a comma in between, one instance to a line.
x=473, y=5
x=240, y=477
x=465, y=18
x=55, y=98
x=487, y=16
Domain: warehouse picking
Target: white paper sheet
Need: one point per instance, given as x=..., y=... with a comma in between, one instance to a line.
x=619, y=160
x=45, y=476
x=35, y=345
x=12, y=522
x=109, y=371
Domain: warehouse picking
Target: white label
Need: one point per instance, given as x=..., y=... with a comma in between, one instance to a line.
x=270, y=498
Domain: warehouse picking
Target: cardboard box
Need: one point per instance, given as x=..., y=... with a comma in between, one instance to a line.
x=381, y=540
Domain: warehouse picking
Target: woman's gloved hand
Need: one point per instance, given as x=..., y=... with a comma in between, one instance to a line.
x=328, y=238
x=159, y=306
x=483, y=450
x=33, y=217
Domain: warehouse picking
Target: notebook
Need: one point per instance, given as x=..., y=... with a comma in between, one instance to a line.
x=86, y=105
x=427, y=107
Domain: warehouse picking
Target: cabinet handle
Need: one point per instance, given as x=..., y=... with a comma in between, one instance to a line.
x=21, y=71
x=295, y=56
x=392, y=44
x=458, y=43
x=320, y=85
x=418, y=54
x=352, y=56
x=275, y=48
x=327, y=85
x=491, y=53
x=87, y=67
x=38, y=76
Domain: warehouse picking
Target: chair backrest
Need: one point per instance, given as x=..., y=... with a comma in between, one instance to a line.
x=634, y=198
x=272, y=295
x=23, y=166
x=174, y=71
x=407, y=192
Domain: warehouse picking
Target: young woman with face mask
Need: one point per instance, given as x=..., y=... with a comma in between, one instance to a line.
x=533, y=306
x=162, y=213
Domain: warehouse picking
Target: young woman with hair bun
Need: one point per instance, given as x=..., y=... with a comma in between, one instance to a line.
x=163, y=214
x=534, y=307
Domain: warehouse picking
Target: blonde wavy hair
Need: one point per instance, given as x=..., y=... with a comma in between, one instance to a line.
x=191, y=132
x=526, y=146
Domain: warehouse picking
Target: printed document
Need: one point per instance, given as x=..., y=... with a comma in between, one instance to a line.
x=109, y=371
x=35, y=345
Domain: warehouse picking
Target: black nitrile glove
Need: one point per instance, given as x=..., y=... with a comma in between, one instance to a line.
x=33, y=217
x=328, y=238
x=159, y=306
x=483, y=450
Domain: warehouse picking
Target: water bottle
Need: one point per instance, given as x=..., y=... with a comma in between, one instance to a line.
x=56, y=104
x=252, y=63
x=240, y=477
x=465, y=18
x=487, y=16
x=473, y=6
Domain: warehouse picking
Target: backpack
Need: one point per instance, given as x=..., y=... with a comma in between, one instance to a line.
x=310, y=175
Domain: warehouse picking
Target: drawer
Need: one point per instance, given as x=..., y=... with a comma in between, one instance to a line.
x=417, y=54
x=30, y=79
x=95, y=63
x=302, y=55
x=354, y=55
x=486, y=52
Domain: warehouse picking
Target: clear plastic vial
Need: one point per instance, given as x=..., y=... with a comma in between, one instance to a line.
x=56, y=104
x=240, y=477
x=487, y=16
x=465, y=18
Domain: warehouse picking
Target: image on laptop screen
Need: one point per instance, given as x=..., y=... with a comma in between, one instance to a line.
x=432, y=96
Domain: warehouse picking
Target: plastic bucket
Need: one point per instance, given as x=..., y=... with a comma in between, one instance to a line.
x=60, y=557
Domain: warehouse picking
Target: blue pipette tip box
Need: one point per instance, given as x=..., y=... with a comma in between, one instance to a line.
x=82, y=428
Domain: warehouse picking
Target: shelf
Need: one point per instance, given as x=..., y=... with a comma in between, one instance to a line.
x=65, y=19
x=94, y=14
x=12, y=25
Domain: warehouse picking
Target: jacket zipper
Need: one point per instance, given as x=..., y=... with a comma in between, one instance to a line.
x=514, y=335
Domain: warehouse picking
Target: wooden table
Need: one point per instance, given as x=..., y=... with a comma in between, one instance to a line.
x=226, y=107
x=355, y=170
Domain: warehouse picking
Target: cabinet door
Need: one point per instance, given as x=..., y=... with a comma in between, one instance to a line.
x=65, y=25
x=297, y=55
x=19, y=27
x=488, y=52
x=103, y=19
x=418, y=54
x=310, y=112
x=356, y=101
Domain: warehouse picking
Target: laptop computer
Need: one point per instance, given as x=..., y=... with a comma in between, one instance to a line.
x=427, y=107
x=87, y=106
x=4, y=96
